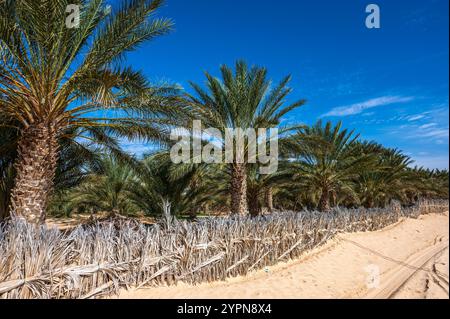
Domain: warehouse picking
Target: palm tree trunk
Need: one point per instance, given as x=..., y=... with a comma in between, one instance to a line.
x=370, y=203
x=167, y=205
x=333, y=198
x=268, y=198
x=193, y=213
x=253, y=203
x=35, y=166
x=324, y=202
x=239, y=189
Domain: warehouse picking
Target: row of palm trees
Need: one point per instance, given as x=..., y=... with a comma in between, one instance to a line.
x=326, y=167
x=66, y=99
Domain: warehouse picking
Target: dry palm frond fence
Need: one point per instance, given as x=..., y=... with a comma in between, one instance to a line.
x=99, y=259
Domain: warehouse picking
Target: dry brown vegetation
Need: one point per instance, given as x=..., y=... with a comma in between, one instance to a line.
x=95, y=260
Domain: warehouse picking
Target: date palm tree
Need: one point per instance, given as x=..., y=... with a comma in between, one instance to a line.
x=386, y=180
x=153, y=186
x=242, y=99
x=328, y=162
x=109, y=190
x=426, y=183
x=59, y=81
x=156, y=191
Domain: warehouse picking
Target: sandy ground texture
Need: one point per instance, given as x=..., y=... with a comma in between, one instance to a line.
x=409, y=259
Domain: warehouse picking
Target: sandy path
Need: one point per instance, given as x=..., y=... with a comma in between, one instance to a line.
x=343, y=267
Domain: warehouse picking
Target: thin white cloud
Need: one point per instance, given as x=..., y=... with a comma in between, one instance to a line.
x=431, y=132
x=415, y=117
x=425, y=126
x=360, y=107
x=436, y=133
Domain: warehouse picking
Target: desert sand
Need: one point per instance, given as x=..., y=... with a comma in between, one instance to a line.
x=410, y=257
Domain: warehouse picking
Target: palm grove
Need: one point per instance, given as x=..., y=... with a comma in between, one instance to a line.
x=67, y=99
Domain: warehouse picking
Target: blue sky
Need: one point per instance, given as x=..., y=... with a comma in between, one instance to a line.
x=390, y=84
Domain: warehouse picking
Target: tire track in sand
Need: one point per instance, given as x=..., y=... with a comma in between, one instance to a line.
x=393, y=280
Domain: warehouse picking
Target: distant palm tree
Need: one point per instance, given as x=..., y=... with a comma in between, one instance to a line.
x=242, y=99
x=108, y=190
x=327, y=163
x=426, y=183
x=153, y=186
x=386, y=180
x=157, y=191
x=60, y=82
